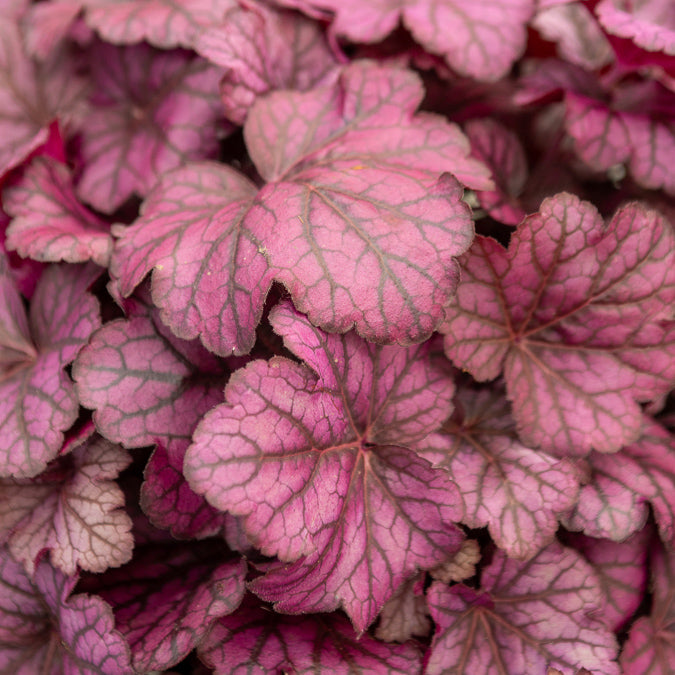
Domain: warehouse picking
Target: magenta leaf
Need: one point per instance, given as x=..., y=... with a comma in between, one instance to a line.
x=315, y=461
x=146, y=387
x=614, y=504
x=150, y=111
x=263, y=50
x=649, y=23
x=650, y=647
x=255, y=641
x=43, y=630
x=499, y=148
x=162, y=23
x=168, y=597
x=622, y=570
x=170, y=503
x=575, y=314
x=354, y=221
x=50, y=224
x=31, y=97
x=526, y=618
x=604, y=137
x=37, y=400
x=516, y=491
x=73, y=509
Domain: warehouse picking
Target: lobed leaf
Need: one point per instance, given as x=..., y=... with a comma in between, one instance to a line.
x=527, y=617
x=316, y=464
x=263, y=50
x=649, y=648
x=37, y=400
x=518, y=492
x=74, y=510
x=163, y=23
x=166, y=599
x=45, y=629
x=357, y=220
x=49, y=222
x=576, y=313
x=150, y=112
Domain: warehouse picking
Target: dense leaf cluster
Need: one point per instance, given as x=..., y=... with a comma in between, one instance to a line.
x=337, y=336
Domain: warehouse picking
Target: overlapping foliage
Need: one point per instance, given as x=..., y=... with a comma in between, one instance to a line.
x=337, y=336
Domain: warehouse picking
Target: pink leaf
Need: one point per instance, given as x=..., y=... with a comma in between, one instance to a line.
x=31, y=97
x=168, y=597
x=499, y=148
x=355, y=221
x=649, y=23
x=254, y=640
x=604, y=138
x=150, y=111
x=517, y=492
x=315, y=461
x=50, y=224
x=37, y=400
x=526, y=617
x=210, y=275
x=622, y=569
x=575, y=313
x=650, y=647
x=162, y=23
x=579, y=38
x=263, y=50
x=614, y=503
x=479, y=39
x=170, y=503
x=45, y=629
x=74, y=509
x=144, y=388
x=46, y=25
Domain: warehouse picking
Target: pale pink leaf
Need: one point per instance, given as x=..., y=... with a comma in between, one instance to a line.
x=31, y=97
x=405, y=614
x=525, y=618
x=73, y=509
x=46, y=24
x=44, y=629
x=210, y=273
x=579, y=38
x=263, y=50
x=150, y=111
x=143, y=388
x=50, y=224
x=576, y=313
x=162, y=23
x=604, y=137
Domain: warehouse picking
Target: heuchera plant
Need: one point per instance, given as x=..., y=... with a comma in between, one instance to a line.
x=337, y=336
